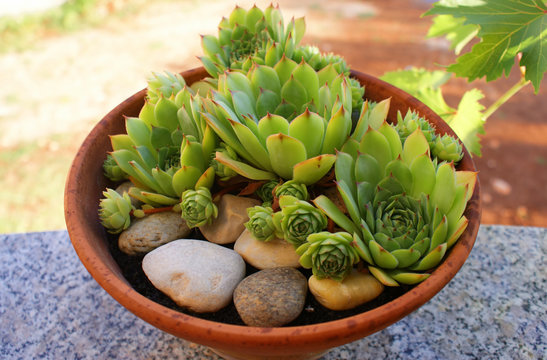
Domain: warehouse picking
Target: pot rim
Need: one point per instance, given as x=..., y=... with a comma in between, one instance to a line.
x=227, y=336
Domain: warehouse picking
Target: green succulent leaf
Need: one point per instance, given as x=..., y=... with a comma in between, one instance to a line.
x=445, y=188
x=294, y=92
x=253, y=145
x=376, y=145
x=272, y=124
x=244, y=169
x=285, y=152
x=284, y=69
x=408, y=278
x=331, y=210
x=311, y=170
x=337, y=131
x=383, y=276
x=309, y=129
x=185, y=178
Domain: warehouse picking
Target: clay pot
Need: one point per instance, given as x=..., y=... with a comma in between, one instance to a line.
x=84, y=187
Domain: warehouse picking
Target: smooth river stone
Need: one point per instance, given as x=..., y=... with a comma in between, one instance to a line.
x=152, y=231
x=232, y=215
x=196, y=274
x=266, y=255
x=356, y=289
x=271, y=297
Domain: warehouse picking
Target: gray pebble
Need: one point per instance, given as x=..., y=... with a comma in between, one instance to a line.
x=271, y=297
x=152, y=231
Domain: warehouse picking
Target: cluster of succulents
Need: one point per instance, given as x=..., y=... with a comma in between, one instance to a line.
x=292, y=121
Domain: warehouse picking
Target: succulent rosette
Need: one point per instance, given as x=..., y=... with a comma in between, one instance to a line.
x=115, y=211
x=266, y=192
x=164, y=85
x=404, y=209
x=410, y=122
x=329, y=255
x=300, y=219
x=446, y=148
x=223, y=172
x=248, y=36
x=167, y=148
x=112, y=170
x=264, y=223
x=292, y=188
x=197, y=207
x=266, y=115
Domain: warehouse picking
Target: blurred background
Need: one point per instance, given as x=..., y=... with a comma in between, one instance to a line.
x=65, y=64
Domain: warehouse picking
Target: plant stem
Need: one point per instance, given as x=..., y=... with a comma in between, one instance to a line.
x=505, y=97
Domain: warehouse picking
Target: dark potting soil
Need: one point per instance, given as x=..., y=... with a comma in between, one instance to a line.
x=131, y=267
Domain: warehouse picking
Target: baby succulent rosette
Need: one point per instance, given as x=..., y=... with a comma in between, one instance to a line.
x=329, y=255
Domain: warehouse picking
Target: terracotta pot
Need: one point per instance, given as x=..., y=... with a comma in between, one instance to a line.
x=86, y=182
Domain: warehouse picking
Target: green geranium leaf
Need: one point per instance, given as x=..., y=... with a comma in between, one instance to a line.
x=467, y=122
x=454, y=30
x=422, y=84
x=506, y=28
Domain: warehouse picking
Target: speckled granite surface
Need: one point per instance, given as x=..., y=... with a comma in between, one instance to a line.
x=495, y=308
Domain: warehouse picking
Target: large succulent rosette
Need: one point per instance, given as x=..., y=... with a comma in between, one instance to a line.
x=404, y=209
x=280, y=121
x=253, y=36
x=168, y=146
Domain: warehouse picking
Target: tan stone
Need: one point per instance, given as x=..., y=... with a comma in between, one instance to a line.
x=152, y=231
x=266, y=255
x=232, y=215
x=356, y=289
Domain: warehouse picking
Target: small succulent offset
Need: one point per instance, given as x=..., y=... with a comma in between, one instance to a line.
x=197, y=207
x=329, y=255
x=115, y=211
x=112, y=170
x=292, y=188
x=299, y=219
x=266, y=192
x=446, y=148
x=404, y=210
x=264, y=224
x=410, y=122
